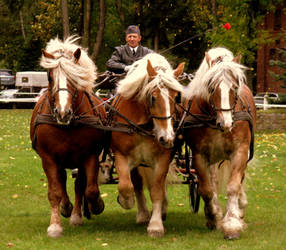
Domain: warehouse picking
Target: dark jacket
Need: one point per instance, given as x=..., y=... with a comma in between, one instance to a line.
x=122, y=56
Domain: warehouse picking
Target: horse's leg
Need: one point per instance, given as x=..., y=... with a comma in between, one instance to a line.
x=125, y=187
x=79, y=188
x=158, y=196
x=242, y=201
x=95, y=202
x=165, y=203
x=212, y=211
x=214, y=172
x=143, y=215
x=66, y=205
x=55, y=194
x=232, y=223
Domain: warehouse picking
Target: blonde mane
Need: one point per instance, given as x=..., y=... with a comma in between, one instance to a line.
x=81, y=74
x=136, y=81
x=195, y=87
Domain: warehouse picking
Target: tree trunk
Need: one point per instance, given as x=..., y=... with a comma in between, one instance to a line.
x=22, y=24
x=65, y=18
x=100, y=31
x=118, y=4
x=214, y=12
x=86, y=23
x=156, y=40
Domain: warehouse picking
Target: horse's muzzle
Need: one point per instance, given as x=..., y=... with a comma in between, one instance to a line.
x=166, y=143
x=63, y=117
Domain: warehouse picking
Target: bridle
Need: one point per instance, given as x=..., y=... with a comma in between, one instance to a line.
x=150, y=103
x=214, y=108
x=74, y=95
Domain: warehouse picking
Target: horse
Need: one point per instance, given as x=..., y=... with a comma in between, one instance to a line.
x=143, y=111
x=66, y=130
x=219, y=123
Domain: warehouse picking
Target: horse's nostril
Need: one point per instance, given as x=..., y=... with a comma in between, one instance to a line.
x=161, y=140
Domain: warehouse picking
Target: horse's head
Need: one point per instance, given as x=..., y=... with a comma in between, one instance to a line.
x=224, y=82
x=69, y=72
x=161, y=102
x=62, y=93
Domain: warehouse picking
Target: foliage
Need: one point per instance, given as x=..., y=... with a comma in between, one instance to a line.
x=182, y=29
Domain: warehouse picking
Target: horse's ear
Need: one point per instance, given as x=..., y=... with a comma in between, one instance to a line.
x=208, y=59
x=47, y=55
x=237, y=59
x=179, y=70
x=151, y=71
x=77, y=54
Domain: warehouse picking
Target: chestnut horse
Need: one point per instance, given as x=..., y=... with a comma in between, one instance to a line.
x=145, y=107
x=219, y=125
x=65, y=130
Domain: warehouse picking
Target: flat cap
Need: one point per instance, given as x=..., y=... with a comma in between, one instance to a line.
x=133, y=29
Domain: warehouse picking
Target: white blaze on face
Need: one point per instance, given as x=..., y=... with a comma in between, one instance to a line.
x=63, y=95
x=227, y=117
x=168, y=134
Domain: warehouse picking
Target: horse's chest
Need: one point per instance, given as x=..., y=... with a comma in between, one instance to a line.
x=213, y=144
x=143, y=153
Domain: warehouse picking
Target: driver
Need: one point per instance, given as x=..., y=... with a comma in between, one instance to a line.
x=125, y=55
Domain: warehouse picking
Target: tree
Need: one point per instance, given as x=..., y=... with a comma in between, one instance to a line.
x=86, y=23
x=100, y=31
x=65, y=18
x=281, y=63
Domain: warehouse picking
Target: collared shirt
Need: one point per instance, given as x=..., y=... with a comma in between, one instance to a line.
x=135, y=49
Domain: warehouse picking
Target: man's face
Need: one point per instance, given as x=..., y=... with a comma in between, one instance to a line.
x=133, y=39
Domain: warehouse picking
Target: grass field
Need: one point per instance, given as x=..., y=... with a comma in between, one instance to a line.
x=25, y=210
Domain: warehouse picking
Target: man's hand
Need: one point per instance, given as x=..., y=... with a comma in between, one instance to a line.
x=127, y=68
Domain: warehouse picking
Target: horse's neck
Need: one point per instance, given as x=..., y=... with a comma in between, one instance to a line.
x=200, y=106
x=133, y=110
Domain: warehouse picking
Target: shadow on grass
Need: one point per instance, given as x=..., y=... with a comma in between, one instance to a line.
x=114, y=222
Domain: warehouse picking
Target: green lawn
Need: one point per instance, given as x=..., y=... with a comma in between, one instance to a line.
x=25, y=210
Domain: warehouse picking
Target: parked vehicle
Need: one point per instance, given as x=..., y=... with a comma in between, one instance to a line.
x=7, y=79
x=33, y=81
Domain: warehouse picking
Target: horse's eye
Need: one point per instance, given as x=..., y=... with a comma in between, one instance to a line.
x=152, y=100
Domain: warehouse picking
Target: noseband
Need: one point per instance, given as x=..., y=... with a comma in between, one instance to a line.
x=73, y=94
x=215, y=109
x=149, y=104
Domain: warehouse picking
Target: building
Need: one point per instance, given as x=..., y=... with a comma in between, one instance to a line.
x=275, y=23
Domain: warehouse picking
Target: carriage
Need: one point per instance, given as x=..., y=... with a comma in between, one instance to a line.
x=146, y=120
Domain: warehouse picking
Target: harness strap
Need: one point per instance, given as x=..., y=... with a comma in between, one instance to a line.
x=132, y=125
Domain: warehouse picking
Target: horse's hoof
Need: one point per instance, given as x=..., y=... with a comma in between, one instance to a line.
x=155, y=233
x=55, y=231
x=75, y=220
x=143, y=218
x=210, y=225
x=232, y=236
x=66, y=210
x=98, y=208
x=125, y=203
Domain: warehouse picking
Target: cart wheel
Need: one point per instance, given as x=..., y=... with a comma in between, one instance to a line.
x=194, y=195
